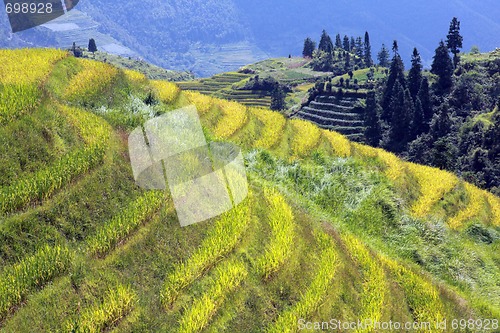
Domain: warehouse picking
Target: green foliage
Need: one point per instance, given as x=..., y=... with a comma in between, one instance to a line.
x=309, y=48
x=117, y=302
x=31, y=272
x=280, y=219
x=125, y=223
x=443, y=68
x=229, y=275
x=454, y=40
x=221, y=239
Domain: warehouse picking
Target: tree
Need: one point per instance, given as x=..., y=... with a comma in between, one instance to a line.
x=368, y=51
x=346, y=44
x=418, y=124
x=372, y=121
x=415, y=74
x=347, y=64
x=395, y=47
x=325, y=43
x=359, y=47
x=309, y=48
x=443, y=68
x=454, y=40
x=92, y=45
x=278, y=98
x=396, y=76
x=338, y=42
x=352, y=43
x=383, y=57
x=425, y=100
x=399, y=123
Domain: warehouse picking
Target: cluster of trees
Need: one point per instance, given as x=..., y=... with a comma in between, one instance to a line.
x=426, y=117
x=341, y=56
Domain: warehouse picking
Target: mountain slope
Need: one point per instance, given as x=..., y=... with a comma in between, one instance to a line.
x=176, y=34
x=330, y=229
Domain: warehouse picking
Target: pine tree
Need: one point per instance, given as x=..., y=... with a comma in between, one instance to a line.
x=359, y=47
x=442, y=67
x=347, y=64
x=325, y=44
x=418, y=124
x=352, y=43
x=309, y=47
x=415, y=74
x=454, y=40
x=346, y=44
x=396, y=75
x=372, y=121
x=395, y=47
x=92, y=45
x=278, y=98
x=338, y=42
x=398, y=123
x=425, y=99
x=368, y=51
x=383, y=57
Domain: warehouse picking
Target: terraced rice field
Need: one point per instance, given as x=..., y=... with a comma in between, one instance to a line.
x=336, y=114
x=97, y=253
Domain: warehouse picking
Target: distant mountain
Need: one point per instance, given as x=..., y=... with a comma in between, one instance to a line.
x=220, y=35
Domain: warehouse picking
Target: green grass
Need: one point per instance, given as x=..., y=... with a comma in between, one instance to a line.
x=375, y=259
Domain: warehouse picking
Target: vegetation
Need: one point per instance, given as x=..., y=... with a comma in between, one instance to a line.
x=347, y=229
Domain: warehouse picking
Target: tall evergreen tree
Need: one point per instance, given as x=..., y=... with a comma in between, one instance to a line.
x=309, y=47
x=368, y=51
x=425, y=99
x=400, y=122
x=338, y=42
x=346, y=45
x=347, y=63
x=325, y=44
x=372, y=121
x=359, y=48
x=395, y=47
x=443, y=68
x=415, y=74
x=454, y=40
x=418, y=124
x=396, y=76
x=92, y=46
x=383, y=57
x=352, y=43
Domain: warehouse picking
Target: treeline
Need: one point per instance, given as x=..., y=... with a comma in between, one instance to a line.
x=428, y=118
x=346, y=54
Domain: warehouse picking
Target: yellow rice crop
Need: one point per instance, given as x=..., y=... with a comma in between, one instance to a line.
x=494, y=202
x=134, y=76
x=395, y=166
x=305, y=137
x=234, y=117
x=167, y=91
x=202, y=102
x=91, y=81
x=434, y=184
x=340, y=144
x=272, y=129
x=473, y=208
x=421, y=295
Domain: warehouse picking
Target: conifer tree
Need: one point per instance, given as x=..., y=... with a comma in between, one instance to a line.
x=325, y=44
x=443, y=68
x=425, y=100
x=346, y=45
x=383, y=57
x=454, y=40
x=418, y=124
x=368, y=51
x=338, y=42
x=309, y=47
x=352, y=43
x=92, y=46
x=396, y=75
x=415, y=74
x=359, y=47
x=278, y=96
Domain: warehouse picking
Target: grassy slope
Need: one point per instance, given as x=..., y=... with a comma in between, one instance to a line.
x=361, y=197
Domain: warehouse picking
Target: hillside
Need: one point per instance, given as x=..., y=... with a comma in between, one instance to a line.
x=210, y=37
x=330, y=229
